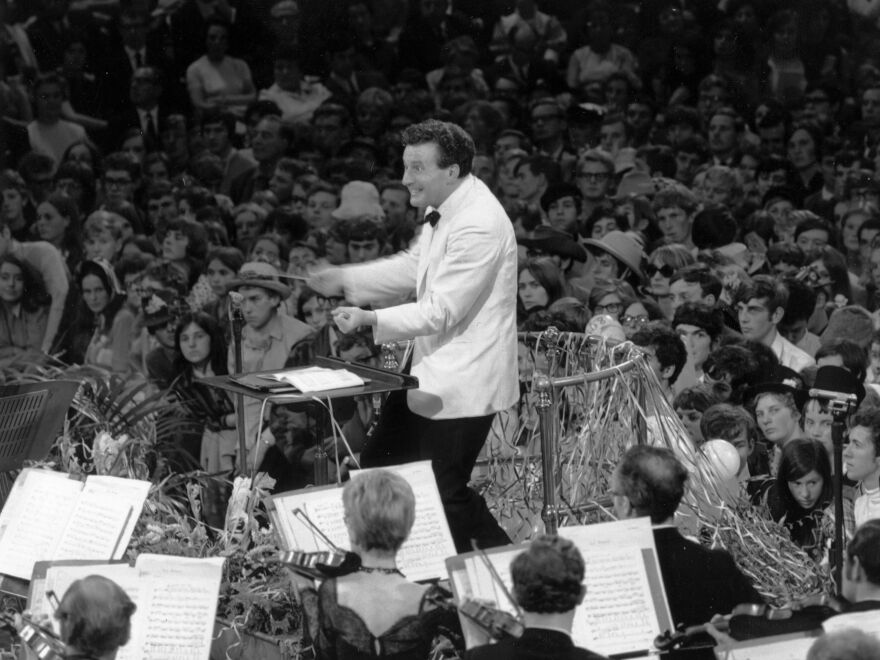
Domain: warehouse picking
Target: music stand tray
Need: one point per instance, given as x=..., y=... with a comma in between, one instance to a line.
x=377, y=381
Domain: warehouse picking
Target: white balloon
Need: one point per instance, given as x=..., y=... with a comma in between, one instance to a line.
x=722, y=457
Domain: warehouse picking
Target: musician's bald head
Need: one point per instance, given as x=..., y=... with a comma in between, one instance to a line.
x=649, y=481
x=848, y=644
x=95, y=615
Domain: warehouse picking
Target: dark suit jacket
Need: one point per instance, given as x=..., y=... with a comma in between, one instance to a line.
x=127, y=117
x=699, y=582
x=535, y=644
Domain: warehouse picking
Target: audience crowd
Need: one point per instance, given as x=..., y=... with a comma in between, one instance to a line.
x=701, y=178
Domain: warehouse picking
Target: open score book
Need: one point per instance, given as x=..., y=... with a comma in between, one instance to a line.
x=50, y=516
x=422, y=556
x=176, y=600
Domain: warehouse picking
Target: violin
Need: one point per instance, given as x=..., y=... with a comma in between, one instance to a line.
x=322, y=564
x=44, y=643
x=498, y=623
x=751, y=620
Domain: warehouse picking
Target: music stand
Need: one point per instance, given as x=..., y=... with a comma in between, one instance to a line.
x=377, y=381
x=30, y=415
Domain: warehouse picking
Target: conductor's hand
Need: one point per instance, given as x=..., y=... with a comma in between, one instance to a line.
x=327, y=281
x=349, y=319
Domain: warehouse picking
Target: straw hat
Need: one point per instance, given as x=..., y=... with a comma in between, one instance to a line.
x=622, y=246
x=358, y=198
x=260, y=274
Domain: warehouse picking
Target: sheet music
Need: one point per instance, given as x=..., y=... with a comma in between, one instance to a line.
x=34, y=518
x=619, y=613
x=422, y=556
x=789, y=649
x=868, y=622
x=179, y=602
x=104, y=519
x=317, y=379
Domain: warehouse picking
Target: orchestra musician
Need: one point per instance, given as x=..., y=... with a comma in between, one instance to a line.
x=95, y=618
x=374, y=611
x=699, y=582
x=547, y=585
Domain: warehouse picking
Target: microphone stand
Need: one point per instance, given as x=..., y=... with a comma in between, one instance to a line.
x=237, y=324
x=840, y=404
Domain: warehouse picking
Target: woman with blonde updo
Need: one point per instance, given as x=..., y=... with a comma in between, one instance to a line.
x=343, y=619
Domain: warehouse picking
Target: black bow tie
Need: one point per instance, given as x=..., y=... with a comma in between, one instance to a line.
x=432, y=218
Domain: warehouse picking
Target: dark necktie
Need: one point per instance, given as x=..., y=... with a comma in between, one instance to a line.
x=432, y=218
x=138, y=59
x=152, y=135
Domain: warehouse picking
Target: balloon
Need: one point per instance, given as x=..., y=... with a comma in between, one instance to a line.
x=722, y=457
x=605, y=326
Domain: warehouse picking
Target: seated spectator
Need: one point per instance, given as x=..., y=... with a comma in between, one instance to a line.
x=548, y=586
x=650, y=481
x=161, y=310
x=58, y=224
x=801, y=496
x=379, y=511
x=778, y=402
x=24, y=308
x=13, y=198
x=665, y=353
x=540, y=283
x=618, y=255
x=689, y=405
x=217, y=80
x=861, y=463
x=675, y=209
x=663, y=263
x=610, y=298
x=296, y=98
x=48, y=133
x=732, y=423
x=700, y=327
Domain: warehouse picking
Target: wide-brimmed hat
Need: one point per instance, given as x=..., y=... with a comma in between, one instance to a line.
x=838, y=379
x=263, y=275
x=554, y=241
x=782, y=380
x=358, y=198
x=622, y=246
x=636, y=183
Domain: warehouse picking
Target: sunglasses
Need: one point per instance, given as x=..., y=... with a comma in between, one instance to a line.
x=665, y=270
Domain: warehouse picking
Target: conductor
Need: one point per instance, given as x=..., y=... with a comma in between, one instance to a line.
x=462, y=272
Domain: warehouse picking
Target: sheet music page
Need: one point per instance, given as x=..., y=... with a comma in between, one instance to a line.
x=422, y=556
x=34, y=518
x=618, y=614
x=317, y=379
x=790, y=649
x=868, y=622
x=104, y=519
x=178, y=599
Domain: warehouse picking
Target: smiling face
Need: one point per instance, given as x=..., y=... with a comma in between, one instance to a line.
x=428, y=183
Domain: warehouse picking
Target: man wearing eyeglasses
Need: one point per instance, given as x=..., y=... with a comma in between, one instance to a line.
x=548, y=132
x=594, y=172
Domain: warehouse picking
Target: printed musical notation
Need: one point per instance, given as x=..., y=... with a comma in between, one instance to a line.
x=423, y=554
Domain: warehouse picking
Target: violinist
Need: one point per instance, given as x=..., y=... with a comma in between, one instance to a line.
x=699, y=582
x=548, y=586
x=95, y=618
x=375, y=611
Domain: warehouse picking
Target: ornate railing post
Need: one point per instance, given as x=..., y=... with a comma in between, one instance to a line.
x=543, y=387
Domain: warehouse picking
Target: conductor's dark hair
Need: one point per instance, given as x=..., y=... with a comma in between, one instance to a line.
x=653, y=480
x=547, y=578
x=455, y=145
x=866, y=546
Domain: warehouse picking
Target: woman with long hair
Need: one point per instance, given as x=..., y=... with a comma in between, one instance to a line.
x=24, y=307
x=539, y=283
x=102, y=327
x=58, y=223
x=802, y=492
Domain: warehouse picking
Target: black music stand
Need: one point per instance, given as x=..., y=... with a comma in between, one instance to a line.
x=377, y=380
x=30, y=415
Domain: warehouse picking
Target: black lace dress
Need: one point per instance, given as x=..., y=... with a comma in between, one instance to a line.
x=338, y=633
